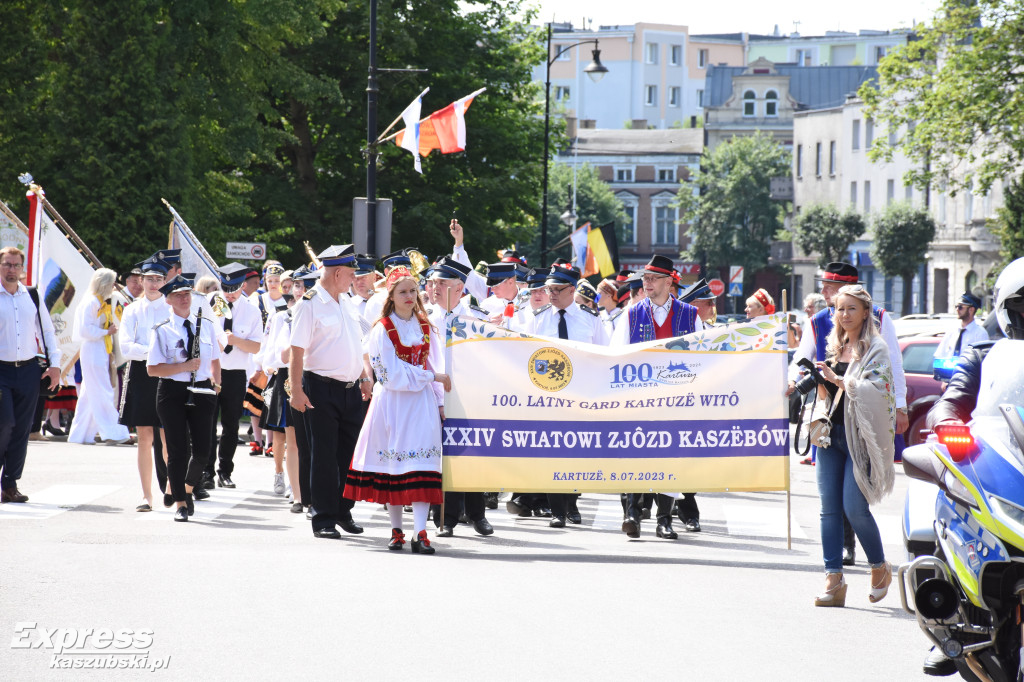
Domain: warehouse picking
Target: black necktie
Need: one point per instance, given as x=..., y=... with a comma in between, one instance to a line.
x=563, y=330
x=190, y=340
x=227, y=327
x=959, y=340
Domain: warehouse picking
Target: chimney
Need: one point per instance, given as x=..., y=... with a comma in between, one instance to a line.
x=570, y=126
x=639, y=124
x=588, y=123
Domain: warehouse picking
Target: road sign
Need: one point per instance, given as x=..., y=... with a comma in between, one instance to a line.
x=735, y=280
x=246, y=250
x=717, y=287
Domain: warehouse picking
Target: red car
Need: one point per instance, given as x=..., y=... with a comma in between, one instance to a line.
x=922, y=389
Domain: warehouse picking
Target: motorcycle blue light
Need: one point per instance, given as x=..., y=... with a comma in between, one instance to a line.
x=957, y=439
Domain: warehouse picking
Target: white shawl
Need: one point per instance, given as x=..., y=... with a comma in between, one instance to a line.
x=869, y=414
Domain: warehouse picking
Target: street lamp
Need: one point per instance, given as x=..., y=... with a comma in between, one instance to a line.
x=596, y=70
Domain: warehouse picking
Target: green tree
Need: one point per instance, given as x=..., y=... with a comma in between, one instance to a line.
x=822, y=229
x=1008, y=226
x=901, y=235
x=596, y=203
x=732, y=218
x=955, y=90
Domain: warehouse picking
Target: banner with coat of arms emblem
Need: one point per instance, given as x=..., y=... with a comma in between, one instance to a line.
x=702, y=412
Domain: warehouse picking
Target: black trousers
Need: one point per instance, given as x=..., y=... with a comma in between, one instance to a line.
x=332, y=427
x=456, y=503
x=560, y=503
x=19, y=393
x=688, y=507
x=229, y=402
x=184, y=426
x=634, y=505
x=298, y=420
x=158, y=461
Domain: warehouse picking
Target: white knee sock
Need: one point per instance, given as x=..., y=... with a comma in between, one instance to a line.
x=420, y=510
x=395, y=512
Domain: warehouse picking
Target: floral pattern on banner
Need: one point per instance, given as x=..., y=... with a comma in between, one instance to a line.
x=461, y=328
x=764, y=333
x=406, y=455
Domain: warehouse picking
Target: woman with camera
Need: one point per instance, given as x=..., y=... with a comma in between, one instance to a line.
x=855, y=457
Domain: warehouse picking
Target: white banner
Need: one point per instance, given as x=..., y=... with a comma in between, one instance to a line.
x=63, y=284
x=194, y=257
x=11, y=234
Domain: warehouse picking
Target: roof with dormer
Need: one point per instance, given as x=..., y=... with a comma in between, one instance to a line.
x=813, y=87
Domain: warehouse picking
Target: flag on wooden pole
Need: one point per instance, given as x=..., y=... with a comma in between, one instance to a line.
x=444, y=130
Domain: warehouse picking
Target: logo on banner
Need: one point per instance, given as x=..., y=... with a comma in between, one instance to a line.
x=645, y=374
x=550, y=369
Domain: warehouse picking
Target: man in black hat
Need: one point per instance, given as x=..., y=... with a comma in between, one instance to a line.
x=966, y=333
x=329, y=385
x=700, y=297
x=133, y=283
x=362, y=284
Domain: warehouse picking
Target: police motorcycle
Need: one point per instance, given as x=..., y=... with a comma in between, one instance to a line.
x=966, y=583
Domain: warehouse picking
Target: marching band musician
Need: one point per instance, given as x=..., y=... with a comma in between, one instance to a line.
x=275, y=412
x=329, y=386
x=239, y=334
x=184, y=355
x=138, y=395
x=362, y=285
x=564, y=319
x=657, y=316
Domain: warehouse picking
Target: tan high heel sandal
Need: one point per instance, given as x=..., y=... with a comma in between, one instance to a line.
x=833, y=596
x=880, y=586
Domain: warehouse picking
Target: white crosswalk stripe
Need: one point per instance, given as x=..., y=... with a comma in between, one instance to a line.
x=56, y=499
x=220, y=502
x=759, y=520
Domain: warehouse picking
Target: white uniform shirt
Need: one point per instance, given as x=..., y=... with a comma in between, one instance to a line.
x=494, y=305
x=437, y=317
x=476, y=284
x=246, y=323
x=137, y=324
x=19, y=328
x=329, y=331
x=278, y=338
x=581, y=325
x=373, y=306
x=269, y=305
x=973, y=333
x=169, y=344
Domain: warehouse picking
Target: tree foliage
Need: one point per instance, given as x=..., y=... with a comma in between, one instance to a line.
x=901, y=237
x=822, y=229
x=733, y=219
x=955, y=88
x=1009, y=224
x=250, y=118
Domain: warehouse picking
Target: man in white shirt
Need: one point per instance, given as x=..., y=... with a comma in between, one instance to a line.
x=967, y=333
x=25, y=330
x=362, y=285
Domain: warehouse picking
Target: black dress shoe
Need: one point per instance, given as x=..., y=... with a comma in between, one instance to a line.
x=543, y=512
x=225, y=482
x=199, y=493
x=168, y=500
x=665, y=531
x=190, y=504
x=631, y=527
x=208, y=482
x=350, y=526
x=181, y=514
x=421, y=545
x=491, y=500
x=445, y=532
x=938, y=664
x=328, y=533
x=483, y=527
x=515, y=506
x=849, y=556
x=691, y=525
x=645, y=513
x=574, y=517
x=296, y=508
x=557, y=522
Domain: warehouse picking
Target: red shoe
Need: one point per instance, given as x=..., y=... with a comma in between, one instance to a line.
x=269, y=452
x=807, y=460
x=255, y=449
x=397, y=539
x=421, y=545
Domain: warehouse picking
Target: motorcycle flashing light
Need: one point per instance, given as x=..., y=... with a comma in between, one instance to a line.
x=957, y=439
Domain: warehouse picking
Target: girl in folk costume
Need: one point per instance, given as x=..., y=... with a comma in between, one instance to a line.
x=96, y=322
x=397, y=459
x=761, y=303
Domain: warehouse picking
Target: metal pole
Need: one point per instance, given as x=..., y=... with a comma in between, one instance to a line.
x=547, y=129
x=371, y=136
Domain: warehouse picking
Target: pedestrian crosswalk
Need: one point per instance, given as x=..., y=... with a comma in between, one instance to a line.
x=54, y=500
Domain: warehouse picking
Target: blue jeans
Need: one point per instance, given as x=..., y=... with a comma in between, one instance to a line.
x=839, y=492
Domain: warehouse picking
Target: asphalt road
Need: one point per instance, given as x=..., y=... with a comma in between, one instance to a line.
x=243, y=591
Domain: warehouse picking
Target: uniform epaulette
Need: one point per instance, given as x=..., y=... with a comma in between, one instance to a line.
x=538, y=311
x=588, y=309
x=308, y=296
x=614, y=315
x=160, y=324
x=477, y=309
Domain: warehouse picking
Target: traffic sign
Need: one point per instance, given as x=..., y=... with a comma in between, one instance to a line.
x=735, y=288
x=247, y=250
x=717, y=287
x=735, y=280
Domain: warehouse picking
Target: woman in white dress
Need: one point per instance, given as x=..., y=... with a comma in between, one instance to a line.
x=96, y=322
x=397, y=460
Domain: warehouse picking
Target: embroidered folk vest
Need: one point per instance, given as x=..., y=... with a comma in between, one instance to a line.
x=414, y=355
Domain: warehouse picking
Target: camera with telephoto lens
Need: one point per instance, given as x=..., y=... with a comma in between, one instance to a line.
x=807, y=383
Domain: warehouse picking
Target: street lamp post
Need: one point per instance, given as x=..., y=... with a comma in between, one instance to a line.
x=596, y=70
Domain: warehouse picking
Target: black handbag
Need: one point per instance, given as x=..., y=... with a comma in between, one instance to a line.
x=45, y=389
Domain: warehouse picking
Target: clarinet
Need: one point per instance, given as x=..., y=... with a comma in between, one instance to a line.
x=193, y=353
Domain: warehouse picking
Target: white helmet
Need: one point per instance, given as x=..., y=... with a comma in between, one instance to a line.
x=1008, y=294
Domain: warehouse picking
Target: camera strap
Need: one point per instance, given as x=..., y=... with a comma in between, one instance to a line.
x=800, y=425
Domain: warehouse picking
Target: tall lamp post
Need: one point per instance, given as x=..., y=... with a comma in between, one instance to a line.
x=596, y=70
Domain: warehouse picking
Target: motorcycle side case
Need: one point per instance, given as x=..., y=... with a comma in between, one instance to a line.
x=919, y=518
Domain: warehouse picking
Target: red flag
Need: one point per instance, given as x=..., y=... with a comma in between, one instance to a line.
x=35, y=215
x=445, y=129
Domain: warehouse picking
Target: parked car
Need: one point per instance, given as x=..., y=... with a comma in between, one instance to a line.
x=922, y=389
x=933, y=324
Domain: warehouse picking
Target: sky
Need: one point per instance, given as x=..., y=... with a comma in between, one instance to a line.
x=753, y=16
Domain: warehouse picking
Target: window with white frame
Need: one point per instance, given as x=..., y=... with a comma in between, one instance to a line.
x=676, y=55
x=856, y=134
x=667, y=174
x=624, y=174
x=651, y=95
x=893, y=130
x=908, y=193
x=652, y=53
x=749, y=103
x=817, y=159
x=869, y=133
x=804, y=57
x=664, y=228
x=564, y=56
x=771, y=103
x=627, y=228
x=867, y=196
x=890, y=191
x=832, y=157
x=700, y=98
x=702, y=59
x=799, y=160
x=673, y=96
x=562, y=93
x=853, y=194
x=880, y=52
